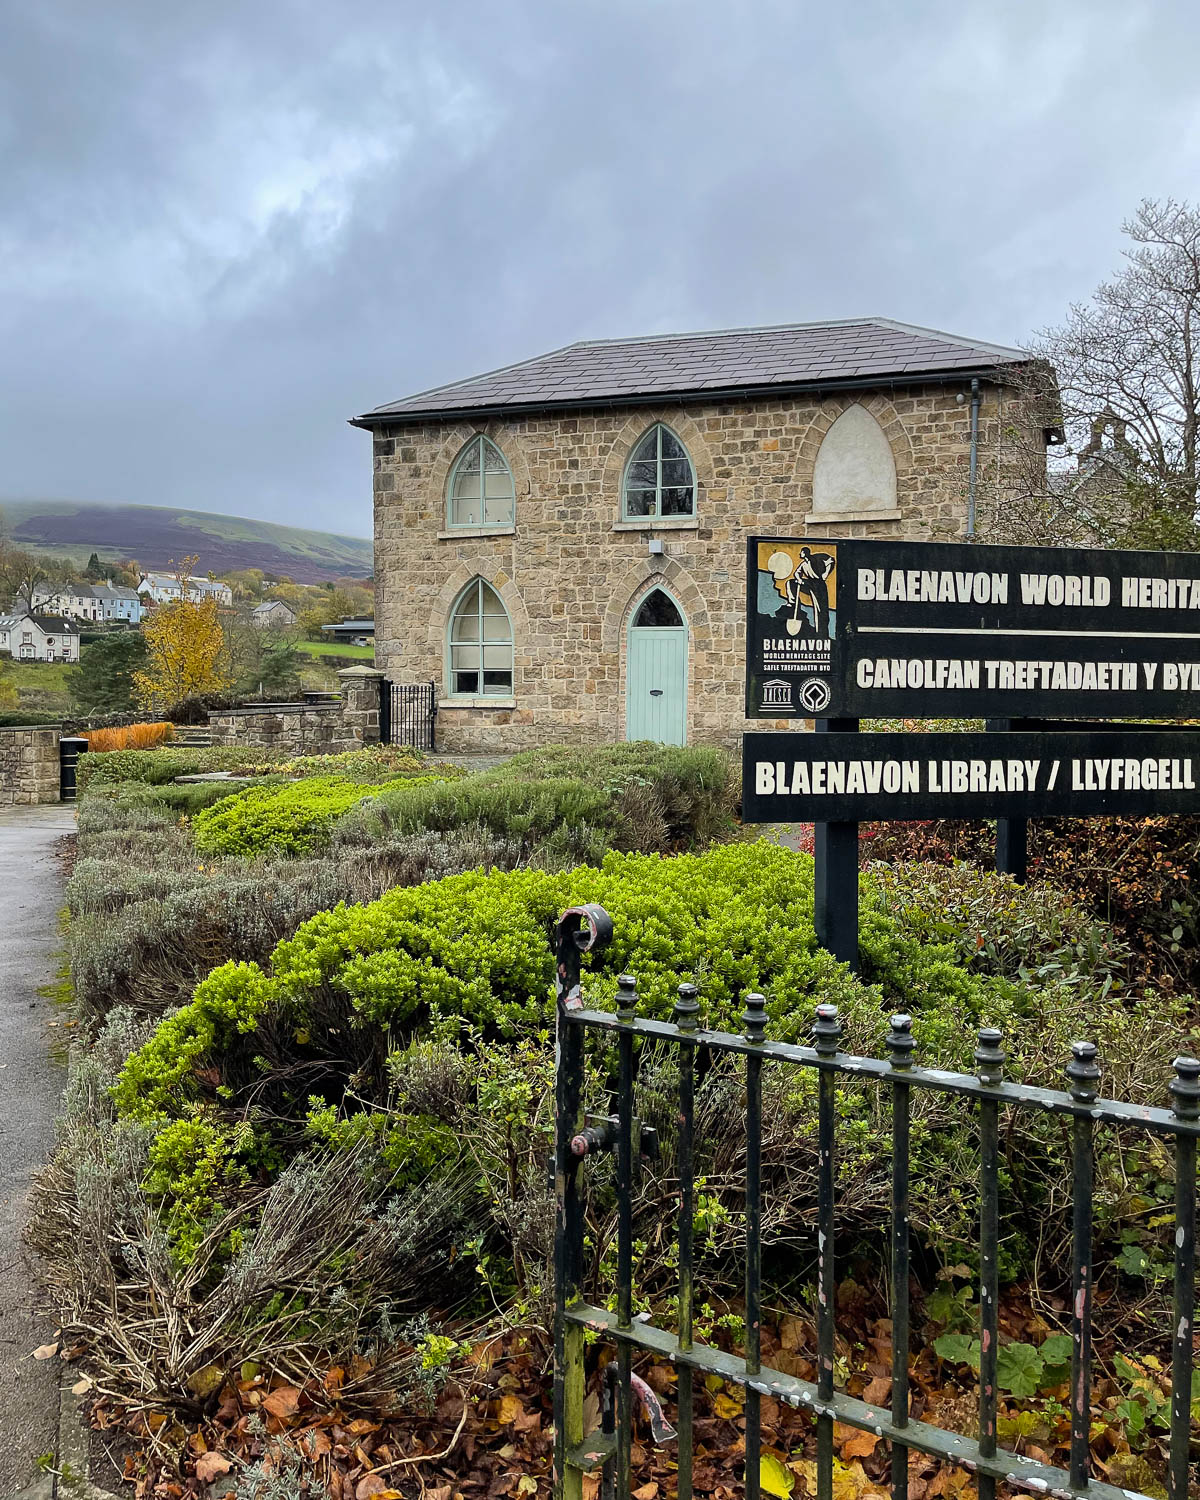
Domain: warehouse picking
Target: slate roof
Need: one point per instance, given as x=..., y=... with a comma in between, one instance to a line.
x=702, y=365
x=108, y=591
x=54, y=624
x=48, y=624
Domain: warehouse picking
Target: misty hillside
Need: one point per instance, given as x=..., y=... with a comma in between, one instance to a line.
x=154, y=535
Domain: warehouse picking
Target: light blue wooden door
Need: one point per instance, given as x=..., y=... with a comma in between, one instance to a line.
x=656, y=674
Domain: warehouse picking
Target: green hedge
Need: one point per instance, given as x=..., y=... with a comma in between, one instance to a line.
x=689, y=791
x=158, y=767
x=291, y=819
x=565, y=805
x=635, y=797
x=28, y=718
x=472, y=950
x=463, y=964
x=375, y=763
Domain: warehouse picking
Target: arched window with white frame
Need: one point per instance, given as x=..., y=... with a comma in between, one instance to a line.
x=480, y=648
x=659, y=479
x=480, y=491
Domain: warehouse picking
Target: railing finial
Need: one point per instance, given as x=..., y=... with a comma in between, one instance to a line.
x=900, y=1042
x=827, y=1031
x=687, y=1007
x=990, y=1056
x=1185, y=1088
x=580, y=930
x=1083, y=1072
x=627, y=996
x=754, y=1017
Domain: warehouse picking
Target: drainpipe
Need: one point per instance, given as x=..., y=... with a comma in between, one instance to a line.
x=973, y=481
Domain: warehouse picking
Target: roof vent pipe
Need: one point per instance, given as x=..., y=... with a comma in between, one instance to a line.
x=973, y=479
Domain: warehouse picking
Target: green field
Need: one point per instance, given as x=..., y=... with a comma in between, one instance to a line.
x=333, y=648
x=40, y=684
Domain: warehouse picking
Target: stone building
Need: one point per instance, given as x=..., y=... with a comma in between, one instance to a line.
x=560, y=544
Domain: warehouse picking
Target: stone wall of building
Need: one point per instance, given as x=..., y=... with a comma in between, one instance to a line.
x=309, y=728
x=571, y=571
x=29, y=768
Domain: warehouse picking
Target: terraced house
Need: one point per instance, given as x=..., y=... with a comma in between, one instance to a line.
x=560, y=544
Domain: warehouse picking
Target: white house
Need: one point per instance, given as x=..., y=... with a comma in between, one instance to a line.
x=164, y=588
x=117, y=603
x=29, y=637
x=91, y=601
x=75, y=600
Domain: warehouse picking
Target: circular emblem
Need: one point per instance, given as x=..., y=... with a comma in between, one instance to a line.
x=814, y=695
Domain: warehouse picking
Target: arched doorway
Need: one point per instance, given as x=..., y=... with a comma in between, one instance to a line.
x=656, y=666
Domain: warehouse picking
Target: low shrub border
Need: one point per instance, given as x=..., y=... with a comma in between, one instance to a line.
x=293, y=818
x=346, y=1123
x=465, y=961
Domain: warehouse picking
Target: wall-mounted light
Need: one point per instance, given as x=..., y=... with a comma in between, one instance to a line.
x=656, y=546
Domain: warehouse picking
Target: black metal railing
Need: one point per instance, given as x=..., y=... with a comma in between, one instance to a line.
x=578, y=1136
x=407, y=713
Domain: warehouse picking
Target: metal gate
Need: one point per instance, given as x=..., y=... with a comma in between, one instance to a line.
x=578, y=1136
x=407, y=712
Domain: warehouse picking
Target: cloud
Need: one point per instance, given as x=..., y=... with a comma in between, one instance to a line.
x=227, y=227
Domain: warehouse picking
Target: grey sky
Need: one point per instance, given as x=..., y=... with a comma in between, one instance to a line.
x=227, y=225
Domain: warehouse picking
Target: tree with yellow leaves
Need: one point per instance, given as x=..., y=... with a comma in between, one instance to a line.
x=184, y=645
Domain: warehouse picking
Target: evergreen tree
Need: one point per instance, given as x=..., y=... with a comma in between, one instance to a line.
x=103, y=680
x=94, y=572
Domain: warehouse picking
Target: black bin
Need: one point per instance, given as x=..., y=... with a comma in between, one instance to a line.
x=70, y=748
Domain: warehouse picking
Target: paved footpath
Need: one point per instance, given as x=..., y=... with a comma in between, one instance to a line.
x=31, y=1081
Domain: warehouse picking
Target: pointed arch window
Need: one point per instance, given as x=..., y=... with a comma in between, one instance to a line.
x=481, y=644
x=855, y=470
x=481, y=490
x=658, y=611
x=659, y=478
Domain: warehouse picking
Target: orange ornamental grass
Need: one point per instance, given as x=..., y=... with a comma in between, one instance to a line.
x=130, y=737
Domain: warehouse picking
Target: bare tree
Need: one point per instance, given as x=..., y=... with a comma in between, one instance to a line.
x=1128, y=369
x=30, y=582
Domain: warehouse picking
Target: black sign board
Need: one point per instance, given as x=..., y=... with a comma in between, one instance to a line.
x=858, y=778
x=868, y=629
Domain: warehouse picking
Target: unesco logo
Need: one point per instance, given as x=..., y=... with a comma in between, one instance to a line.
x=814, y=695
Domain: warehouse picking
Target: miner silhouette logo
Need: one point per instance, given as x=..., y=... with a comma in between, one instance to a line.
x=806, y=577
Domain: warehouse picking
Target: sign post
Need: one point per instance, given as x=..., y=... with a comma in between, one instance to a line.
x=838, y=631
x=835, y=880
x=1012, y=834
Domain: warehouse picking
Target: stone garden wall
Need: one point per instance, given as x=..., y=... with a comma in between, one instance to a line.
x=29, y=770
x=310, y=728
